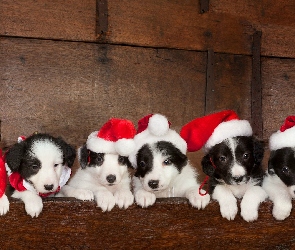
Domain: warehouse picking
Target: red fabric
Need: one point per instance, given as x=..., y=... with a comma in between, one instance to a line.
x=116, y=129
x=144, y=122
x=197, y=132
x=206, y=180
x=289, y=123
x=3, y=181
x=44, y=195
x=16, y=181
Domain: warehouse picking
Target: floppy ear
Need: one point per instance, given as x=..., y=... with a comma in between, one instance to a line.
x=15, y=155
x=207, y=166
x=83, y=156
x=69, y=152
x=270, y=168
x=258, y=151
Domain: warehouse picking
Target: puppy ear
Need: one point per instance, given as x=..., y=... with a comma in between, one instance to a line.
x=68, y=151
x=15, y=155
x=83, y=156
x=207, y=166
x=270, y=168
x=258, y=151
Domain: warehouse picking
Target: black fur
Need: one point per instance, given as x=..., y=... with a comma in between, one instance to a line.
x=249, y=153
x=282, y=163
x=19, y=159
x=145, y=157
x=89, y=158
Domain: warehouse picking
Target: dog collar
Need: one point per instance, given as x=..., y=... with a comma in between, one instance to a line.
x=20, y=184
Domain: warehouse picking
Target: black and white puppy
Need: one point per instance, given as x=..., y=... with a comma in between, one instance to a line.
x=38, y=166
x=235, y=171
x=280, y=181
x=103, y=177
x=164, y=171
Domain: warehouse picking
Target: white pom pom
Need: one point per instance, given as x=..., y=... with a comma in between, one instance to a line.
x=158, y=125
x=125, y=147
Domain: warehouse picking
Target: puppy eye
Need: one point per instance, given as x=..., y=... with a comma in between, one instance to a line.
x=167, y=162
x=35, y=167
x=222, y=158
x=99, y=159
x=121, y=159
x=142, y=164
x=285, y=170
x=246, y=156
x=55, y=165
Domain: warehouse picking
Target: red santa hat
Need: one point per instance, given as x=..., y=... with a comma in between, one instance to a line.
x=212, y=129
x=114, y=137
x=285, y=137
x=153, y=128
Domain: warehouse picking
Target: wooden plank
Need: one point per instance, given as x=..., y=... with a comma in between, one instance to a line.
x=278, y=79
x=62, y=19
x=71, y=89
x=169, y=224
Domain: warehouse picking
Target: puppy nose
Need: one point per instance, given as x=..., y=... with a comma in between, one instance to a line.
x=238, y=178
x=153, y=184
x=111, y=178
x=48, y=187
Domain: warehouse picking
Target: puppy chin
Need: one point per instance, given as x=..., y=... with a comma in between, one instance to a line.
x=240, y=182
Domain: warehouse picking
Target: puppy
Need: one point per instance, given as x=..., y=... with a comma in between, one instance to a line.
x=279, y=182
x=38, y=167
x=162, y=170
x=103, y=177
x=235, y=171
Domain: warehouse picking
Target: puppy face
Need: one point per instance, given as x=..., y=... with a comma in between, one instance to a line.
x=158, y=164
x=40, y=160
x=108, y=169
x=235, y=160
x=282, y=164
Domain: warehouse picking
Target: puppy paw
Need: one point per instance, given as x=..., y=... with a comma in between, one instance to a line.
x=4, y=205
x=282, y=210
x=105, y=200
x=124, y=198
x=229, y=208
x=84, y=195
x=34, y=207
x=144, y=198
x=197, y=200
x=248, y=213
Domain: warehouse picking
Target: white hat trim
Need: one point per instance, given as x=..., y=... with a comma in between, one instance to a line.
x=227, y=130
x=282, y=139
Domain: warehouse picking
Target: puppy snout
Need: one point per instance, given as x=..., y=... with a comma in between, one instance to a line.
x=48, y=187
x=111, y=178
x=154, y=184
x=238, y=179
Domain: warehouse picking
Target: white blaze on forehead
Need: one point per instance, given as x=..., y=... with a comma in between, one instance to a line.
x=46, y=150
x=237, y=169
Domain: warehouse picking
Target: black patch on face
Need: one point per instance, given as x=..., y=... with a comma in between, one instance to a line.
x=172, y=154
x=282, y=163
x=248, y=153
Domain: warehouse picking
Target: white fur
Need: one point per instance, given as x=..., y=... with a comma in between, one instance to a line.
x=51, y=159
x=171, y=184
x=4, y=205
x=280, y=195
x=90, y=183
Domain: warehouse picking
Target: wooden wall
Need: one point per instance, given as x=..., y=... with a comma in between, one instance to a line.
x=67, y=66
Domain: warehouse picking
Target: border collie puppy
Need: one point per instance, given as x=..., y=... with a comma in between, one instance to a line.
x=280, y=180
x=162, y=168
x=232, y=161
x=38, y=167
x=104, y=175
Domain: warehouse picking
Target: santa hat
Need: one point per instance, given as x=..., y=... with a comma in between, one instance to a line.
x=114, y=137
x=212, y=129
x=285, y=137
x=153, y=128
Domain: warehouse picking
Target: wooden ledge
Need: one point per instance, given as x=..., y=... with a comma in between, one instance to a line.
x=172, y=223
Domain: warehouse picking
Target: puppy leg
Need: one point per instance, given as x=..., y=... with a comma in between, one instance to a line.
x=143, y=198
x=226, y=200
x=78, y=193
x=197, y=200
x=104, y=199
x=4, y=205
x=251, y=201
x=33, y=202
x=124, y=198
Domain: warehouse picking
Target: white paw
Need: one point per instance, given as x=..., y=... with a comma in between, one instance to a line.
x=248, y=212
x=229, y=209
x=105, y=200
x=124, y=199
x=282, y=210
x=4, y=205
x=144, y=198
x=84, y=195
x=34, y=207
x=198, y=200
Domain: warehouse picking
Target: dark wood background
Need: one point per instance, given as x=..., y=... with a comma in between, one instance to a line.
x=67, y=66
